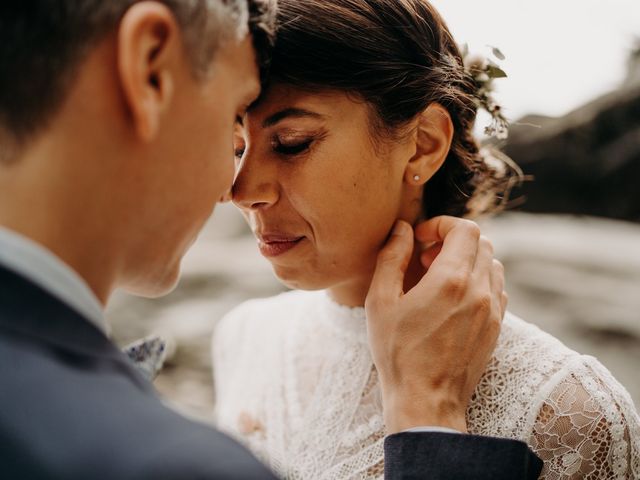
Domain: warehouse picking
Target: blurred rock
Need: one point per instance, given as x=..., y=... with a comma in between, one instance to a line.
x=633, y=66
x=587, y=162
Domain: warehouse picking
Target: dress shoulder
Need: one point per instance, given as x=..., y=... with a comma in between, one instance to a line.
x=587, y=426
x=567, y=406
x=526, y=360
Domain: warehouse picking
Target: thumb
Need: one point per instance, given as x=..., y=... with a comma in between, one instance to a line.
x=393, y=260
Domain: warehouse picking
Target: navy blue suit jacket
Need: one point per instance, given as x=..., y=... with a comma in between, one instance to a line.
x=73, y=407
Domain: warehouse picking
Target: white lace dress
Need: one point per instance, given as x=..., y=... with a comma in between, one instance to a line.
x=295, y=383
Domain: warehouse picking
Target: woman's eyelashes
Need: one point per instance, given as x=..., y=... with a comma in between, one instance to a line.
x=291, y=148
x=294, y=144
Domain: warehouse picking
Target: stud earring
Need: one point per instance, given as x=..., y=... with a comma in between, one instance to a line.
x=416, y=178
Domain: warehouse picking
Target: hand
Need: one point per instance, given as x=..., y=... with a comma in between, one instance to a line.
x=431, y=345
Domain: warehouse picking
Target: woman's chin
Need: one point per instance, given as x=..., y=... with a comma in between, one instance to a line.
x=296, y=279
x=155, y=286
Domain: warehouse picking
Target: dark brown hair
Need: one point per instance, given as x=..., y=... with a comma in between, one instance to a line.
x=399, y=57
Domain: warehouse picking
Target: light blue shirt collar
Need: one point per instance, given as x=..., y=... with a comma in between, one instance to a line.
x=43, y=268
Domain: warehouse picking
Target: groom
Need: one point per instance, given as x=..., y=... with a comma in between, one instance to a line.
x=116, y=121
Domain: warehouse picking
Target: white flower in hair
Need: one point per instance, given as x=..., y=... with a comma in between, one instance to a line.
x=484, y=71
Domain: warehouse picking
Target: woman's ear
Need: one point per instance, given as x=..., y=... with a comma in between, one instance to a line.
x=433, y=137
x=149, y=54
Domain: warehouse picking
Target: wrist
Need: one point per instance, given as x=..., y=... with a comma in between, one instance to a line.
x=404, y=411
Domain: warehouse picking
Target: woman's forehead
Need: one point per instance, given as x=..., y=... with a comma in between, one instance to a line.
x=322, y=104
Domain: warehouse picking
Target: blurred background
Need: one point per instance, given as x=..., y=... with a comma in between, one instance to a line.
x=571, y=248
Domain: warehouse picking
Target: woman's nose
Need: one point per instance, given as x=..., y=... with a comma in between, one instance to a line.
x=255, y=186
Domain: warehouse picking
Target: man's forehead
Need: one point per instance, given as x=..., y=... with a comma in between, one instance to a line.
x=253, y=92
x=242, y=60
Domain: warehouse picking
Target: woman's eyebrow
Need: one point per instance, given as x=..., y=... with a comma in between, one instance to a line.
x=289, y=113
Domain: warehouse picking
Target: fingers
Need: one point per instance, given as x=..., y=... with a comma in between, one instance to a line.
x=393, y=260
x=459, y=239
x=436, y=229
x=497, y=286
x=493, y=321
x=428, y=255
x=467, y=257
x=489, y=273
x=483, y=268
x=504, y=303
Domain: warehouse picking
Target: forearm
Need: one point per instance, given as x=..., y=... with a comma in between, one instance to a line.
x=424, y=407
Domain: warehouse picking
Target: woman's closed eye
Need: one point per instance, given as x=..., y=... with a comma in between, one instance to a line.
x=292, y=144
x=293, y=147
x=288, y=149
x=288, y=145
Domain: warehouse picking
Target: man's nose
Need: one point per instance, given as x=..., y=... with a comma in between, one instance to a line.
x=255, y=186
x=226, y=196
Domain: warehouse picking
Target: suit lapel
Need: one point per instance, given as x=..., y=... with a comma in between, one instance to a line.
x=29, y=311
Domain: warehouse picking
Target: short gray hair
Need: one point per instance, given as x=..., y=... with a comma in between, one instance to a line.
x=206, y=24
x=42, y=43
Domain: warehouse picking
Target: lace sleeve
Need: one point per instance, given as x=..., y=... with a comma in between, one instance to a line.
x=588, y=428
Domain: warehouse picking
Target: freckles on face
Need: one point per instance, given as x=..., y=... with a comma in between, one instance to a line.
x=340, y=193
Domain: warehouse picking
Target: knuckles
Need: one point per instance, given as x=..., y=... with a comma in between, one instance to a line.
x=486, y=244
x=456, y=285
x=498, y=267
x=484, y=304
x=471, y=228
x=505, y=300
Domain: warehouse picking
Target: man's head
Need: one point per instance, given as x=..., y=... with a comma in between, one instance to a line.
x=117, y=116
x=43, y=42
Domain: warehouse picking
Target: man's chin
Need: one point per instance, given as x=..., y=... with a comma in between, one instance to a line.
x=155, y=287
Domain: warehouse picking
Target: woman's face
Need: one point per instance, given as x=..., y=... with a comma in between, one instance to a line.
x=320, y=197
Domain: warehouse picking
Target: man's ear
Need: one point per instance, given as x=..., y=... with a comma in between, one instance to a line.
x=149, y=53
x=433, y=137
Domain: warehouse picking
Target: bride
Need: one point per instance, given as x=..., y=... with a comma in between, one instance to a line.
x=368, y=119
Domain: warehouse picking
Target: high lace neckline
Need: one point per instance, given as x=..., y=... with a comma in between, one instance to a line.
x=350, y=322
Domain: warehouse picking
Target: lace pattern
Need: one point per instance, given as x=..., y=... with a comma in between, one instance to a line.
x=296, y=384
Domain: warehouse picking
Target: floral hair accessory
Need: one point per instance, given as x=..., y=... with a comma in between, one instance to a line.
x=484, y=71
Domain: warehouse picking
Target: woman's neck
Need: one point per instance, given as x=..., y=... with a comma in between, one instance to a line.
x=353, y=292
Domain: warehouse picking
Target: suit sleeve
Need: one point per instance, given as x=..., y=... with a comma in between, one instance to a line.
x=202, y=454
x=435, y=455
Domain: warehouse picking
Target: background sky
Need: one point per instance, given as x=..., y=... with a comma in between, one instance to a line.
x=560, y=53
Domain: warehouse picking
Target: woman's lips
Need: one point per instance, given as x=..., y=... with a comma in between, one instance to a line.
x=275, y=245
